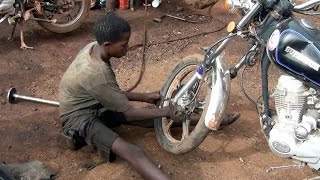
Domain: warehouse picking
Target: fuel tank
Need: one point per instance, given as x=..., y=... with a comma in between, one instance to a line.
x=294, y=46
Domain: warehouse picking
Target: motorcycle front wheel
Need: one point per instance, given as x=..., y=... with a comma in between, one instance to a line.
x=186, y=136
x=69, y=15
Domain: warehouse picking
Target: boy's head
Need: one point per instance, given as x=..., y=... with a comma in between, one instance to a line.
x=113, y=34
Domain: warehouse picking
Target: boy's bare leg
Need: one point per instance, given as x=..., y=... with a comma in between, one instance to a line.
x=138, y=159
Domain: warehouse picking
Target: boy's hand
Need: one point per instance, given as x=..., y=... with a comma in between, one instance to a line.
x=176, y=113
x=153, y=97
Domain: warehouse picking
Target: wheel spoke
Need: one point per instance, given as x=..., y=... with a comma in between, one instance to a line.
x=50, y=16
x=178, y=84
x=185, y=129
x=69, y=17
x=168, y=126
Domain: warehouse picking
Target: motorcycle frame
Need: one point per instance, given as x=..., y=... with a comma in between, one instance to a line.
x=220, y=86
x=221, y=76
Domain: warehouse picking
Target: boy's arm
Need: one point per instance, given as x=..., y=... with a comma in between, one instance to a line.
x=136, y=114
x=143, y=97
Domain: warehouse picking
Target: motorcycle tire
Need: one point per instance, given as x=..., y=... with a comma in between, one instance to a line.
x=200, y=131
x=71, y=25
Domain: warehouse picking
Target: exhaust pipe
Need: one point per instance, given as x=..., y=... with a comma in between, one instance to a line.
x=13, y=98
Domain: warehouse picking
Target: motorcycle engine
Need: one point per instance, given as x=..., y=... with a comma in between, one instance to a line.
x=295, y=133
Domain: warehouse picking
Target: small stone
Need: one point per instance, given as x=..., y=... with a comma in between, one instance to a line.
x=159, y=166
x=241, y=160
x=179, y=9
x=35, y=109
x=26, y=68
x=165, y=36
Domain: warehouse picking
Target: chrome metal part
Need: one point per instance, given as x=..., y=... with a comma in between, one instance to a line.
x=307, y=125
x=290, y=99
x=4, y=17
x=186, y=87
x=196, y=77
x=239, y=4
x=13, y=97
x=285, y=167
x=248, y=17
x=295, y=133
x=220, y=91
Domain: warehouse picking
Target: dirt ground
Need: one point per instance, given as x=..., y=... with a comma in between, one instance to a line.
x=31, y=131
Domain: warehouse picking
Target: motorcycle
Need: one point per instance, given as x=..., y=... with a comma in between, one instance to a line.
x=200, y=86
x=58, y=16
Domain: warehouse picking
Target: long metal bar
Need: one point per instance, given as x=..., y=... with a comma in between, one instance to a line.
x=13, y=97
x=43, y=20
x=176, y=17
x=187, y=86
x=218, y=51
x=4, y=17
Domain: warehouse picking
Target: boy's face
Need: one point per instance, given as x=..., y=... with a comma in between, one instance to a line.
x=120, y=48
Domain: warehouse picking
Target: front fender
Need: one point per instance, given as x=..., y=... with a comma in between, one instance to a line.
x=220, y=90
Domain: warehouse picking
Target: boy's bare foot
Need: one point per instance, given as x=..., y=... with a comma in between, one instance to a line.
x=229, y=119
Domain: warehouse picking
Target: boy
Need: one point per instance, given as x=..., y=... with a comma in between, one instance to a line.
x=91, y=101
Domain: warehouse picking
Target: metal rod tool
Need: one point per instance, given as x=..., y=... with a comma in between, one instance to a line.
x=285, y=167
x=159, y=19
x=13, y=97
x=43, y=20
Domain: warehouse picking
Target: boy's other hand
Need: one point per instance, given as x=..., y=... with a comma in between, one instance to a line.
x=153, y=97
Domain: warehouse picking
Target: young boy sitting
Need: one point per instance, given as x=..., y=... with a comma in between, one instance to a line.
x=91, y=101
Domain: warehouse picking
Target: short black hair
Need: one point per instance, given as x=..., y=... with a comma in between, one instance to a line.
x=109, y=28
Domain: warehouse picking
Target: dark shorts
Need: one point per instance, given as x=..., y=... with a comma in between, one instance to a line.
x=96, y=131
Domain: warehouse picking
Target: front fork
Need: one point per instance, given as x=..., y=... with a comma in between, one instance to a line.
x=219, y=85
x=220, y=90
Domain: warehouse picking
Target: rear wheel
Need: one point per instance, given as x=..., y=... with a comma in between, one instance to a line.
x=184, y=137
x=69, y=14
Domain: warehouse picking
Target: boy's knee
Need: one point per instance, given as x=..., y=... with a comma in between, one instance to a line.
x=74, y=140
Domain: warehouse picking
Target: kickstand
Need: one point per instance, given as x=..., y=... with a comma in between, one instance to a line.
x=12, y=32
x=285, y=167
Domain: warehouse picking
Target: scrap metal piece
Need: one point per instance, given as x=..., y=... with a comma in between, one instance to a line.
x=285, y=167
x=13, y=97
